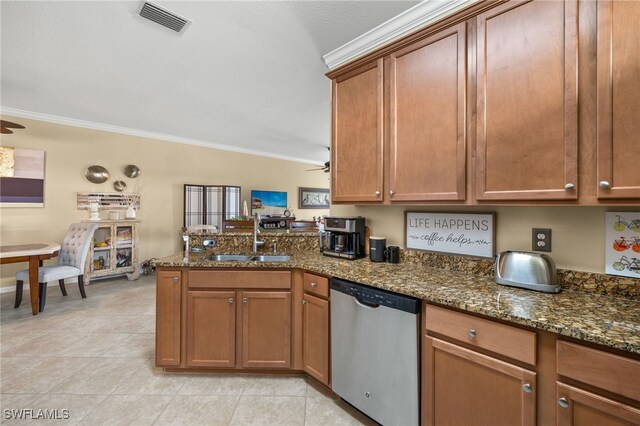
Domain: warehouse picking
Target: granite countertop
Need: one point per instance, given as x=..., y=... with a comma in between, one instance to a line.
x=601, y=319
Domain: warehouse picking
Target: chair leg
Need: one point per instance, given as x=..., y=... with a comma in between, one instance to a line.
x=43, y=295
x=81, y=286
x=62, y=287
x=18, y=294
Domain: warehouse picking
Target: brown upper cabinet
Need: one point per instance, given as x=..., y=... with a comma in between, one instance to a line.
x=357, y=149
x=427, y=153
x=483, y=107
x=527, y=126
x=618, y=167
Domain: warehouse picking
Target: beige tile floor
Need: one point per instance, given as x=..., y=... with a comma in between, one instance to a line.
x=94, y=358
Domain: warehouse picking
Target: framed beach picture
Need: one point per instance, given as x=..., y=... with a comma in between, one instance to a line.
x=313, y=198
x=268, y=202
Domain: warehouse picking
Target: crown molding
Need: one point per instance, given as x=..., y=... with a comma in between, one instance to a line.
x=419, y=16
x=143, y=134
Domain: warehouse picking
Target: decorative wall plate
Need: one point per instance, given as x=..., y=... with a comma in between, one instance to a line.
x=131, y=171
x=96, y=174
x=119, y=185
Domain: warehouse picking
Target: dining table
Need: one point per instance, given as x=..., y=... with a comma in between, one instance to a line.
x=33, y=253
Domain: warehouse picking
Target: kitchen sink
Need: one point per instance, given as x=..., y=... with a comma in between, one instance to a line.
x=271, y=258
x=230, y=258
x=248, y=258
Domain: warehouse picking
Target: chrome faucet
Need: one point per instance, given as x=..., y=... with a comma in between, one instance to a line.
x=256, y=224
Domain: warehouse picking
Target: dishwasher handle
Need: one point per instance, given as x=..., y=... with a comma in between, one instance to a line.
x=365, y=304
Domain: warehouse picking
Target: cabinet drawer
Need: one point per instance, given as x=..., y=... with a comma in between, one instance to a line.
x=316, y=284
x=499, y=338
x=598, y=368
x=240, y=279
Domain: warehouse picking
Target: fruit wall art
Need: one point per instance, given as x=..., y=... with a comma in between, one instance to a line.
x=622, y=244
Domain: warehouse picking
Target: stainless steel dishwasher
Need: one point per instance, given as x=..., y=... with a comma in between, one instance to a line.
x=375, y=351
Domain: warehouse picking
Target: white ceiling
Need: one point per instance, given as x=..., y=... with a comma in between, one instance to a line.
x=248, y=76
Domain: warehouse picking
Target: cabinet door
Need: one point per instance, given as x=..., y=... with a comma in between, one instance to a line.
x=101, y=253
x=527, y=101
x=266, y=329
x=168, y=302
x=124, y=248
x=315, y=337
x=581, y=408
x=211, y=328
x=618, y=99
x=463, y=387
x=357, y=148
x=427, y=150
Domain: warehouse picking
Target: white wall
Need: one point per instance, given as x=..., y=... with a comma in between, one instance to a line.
x=165, y=168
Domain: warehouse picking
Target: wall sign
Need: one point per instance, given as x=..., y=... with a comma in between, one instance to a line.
x=622, y=244
x=469, y=234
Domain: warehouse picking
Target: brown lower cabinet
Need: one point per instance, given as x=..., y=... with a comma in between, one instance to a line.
x=224, y=319
x=477, y=371
x=211, y=328
x=315, y=328
x=604, y=387
x=578, y=407
x=265, y=328
x=465, y=387
x=168, y=296
x=475, y=385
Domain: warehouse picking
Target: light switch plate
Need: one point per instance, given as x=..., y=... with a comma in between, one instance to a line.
x=541, y=239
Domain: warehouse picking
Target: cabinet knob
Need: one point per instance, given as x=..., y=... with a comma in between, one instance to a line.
x=314, y=285
x=563, y=402
x=527, y=388
x=471, y=333
x=604, y=185
x=569, y=187
x=377, y=193
x=230, y=300
x=391, y=192
x=176, y=280
x=245, y=300
x=304, y=302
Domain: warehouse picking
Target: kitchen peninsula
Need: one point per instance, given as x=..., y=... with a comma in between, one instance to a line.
x=531, y=336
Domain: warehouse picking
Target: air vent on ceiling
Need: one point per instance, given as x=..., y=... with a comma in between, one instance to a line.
x=163, y=17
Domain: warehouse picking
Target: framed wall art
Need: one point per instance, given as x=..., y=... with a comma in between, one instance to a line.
x=313, y=198
x=21, y=177
x=268, y=202
x=622, y=244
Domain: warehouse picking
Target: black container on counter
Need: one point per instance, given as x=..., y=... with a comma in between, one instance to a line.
x=377, y=247
x=393, y=254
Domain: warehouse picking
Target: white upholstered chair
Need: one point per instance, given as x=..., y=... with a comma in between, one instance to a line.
x=71, y=261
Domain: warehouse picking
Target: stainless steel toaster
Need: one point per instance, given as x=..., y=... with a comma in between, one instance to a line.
x=532, y=271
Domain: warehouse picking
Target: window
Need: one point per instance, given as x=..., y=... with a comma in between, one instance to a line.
x=210, y=204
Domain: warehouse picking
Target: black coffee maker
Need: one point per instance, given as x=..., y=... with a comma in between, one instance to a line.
x=343, y=237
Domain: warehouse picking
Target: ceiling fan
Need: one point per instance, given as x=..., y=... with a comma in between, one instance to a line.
x=326, y=168
x=6, y=126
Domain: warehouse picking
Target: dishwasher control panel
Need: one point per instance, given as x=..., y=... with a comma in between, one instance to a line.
x=375, y=297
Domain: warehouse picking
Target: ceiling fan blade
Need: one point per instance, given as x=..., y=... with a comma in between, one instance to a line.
x=11, y=125
x=5, y=130
x=313, y=170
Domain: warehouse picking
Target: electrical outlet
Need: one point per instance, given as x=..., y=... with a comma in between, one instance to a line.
x=541, y=240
